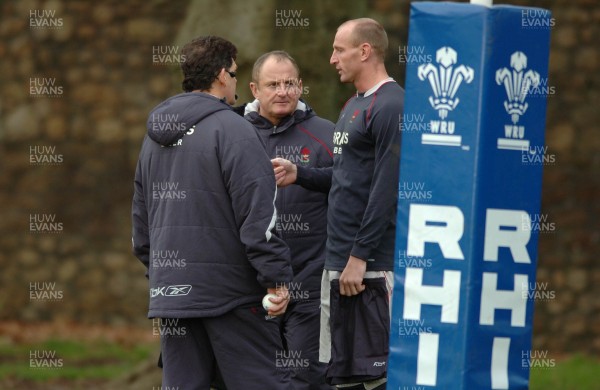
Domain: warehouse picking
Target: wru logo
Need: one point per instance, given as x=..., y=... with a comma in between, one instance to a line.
x=445, y=80
x=517, y=84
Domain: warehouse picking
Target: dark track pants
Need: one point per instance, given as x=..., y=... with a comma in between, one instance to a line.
x=242, y=342
x=300, y=331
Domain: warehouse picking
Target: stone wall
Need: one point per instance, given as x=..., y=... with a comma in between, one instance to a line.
x=68, y=146
x=78, y=79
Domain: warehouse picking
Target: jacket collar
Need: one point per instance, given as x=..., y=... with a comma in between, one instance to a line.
x=300, y=114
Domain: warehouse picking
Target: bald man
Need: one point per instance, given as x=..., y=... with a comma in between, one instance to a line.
x=358, y=277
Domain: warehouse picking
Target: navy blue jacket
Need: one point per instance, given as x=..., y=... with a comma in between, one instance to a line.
x=364, y=187
x=203, y=210
x=306, y=140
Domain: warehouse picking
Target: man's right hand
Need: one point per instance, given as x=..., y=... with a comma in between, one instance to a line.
x=351, y=279
x=285, y=172
x=280, y=303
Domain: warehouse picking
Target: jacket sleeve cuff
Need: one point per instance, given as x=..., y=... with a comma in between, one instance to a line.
x=301, y=175
x=362, y=252
x=277, y=284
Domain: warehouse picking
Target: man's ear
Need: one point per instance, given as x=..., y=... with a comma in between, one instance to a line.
x=254, y=89
x=221, y=76
x=365, y=51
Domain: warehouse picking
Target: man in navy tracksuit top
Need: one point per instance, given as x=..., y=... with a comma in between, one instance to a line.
x=362, y=213
x=358, y=277
x=290, y=129
x=203, y=225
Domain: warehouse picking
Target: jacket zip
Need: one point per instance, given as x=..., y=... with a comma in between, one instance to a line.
x=279, y=194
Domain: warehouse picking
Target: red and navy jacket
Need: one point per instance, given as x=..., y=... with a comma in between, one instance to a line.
x=306, y=140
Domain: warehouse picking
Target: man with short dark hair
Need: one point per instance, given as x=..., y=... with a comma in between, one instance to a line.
x=291, y=129
x=203, y=218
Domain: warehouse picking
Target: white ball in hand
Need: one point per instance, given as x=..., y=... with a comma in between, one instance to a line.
x=266, y=303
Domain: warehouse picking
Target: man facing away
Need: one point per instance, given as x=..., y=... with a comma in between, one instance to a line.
x=290, y=129
x=204, y=196
x=358, y=277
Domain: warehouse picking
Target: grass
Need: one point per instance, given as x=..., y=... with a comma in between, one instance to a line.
x=575, y=373
x=70, y=360
x=101, y=361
